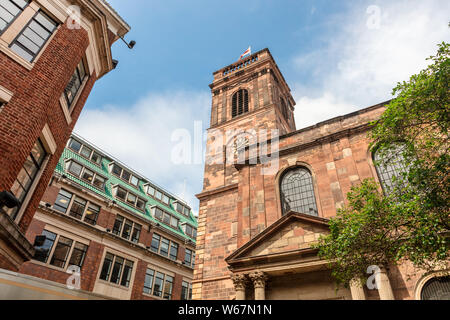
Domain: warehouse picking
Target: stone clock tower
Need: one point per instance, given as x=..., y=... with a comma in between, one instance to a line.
x=248, y=97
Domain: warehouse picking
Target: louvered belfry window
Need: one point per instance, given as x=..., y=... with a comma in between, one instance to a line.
x=240, y=103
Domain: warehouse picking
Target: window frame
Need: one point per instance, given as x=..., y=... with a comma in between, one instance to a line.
x=82, y=145
x=125, y=200
x=121, y=271
x=46, y=41
x=120, y=231
x=169, y=246
x=68, y=165
x=70, y=205
x=164, y=214
x=156, y=275
x=21, y=10
x=68, y=258
x=241, y=95
x=82, y=80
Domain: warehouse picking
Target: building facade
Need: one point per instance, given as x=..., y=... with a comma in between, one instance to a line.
x=130, y=238
x=267, y=197
x=51, y=54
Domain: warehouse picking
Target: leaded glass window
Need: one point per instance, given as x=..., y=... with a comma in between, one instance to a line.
x=391, y=168
x=297, y=192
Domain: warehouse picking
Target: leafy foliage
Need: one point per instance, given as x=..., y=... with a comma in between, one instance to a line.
x=409, y=221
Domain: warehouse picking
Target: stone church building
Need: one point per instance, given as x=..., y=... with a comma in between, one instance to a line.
x=259, y=215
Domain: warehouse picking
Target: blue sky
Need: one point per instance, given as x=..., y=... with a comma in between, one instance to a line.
x=337, y=57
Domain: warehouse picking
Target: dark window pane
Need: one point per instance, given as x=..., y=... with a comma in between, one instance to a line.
x=116, y=170
x=78, y=254
x=168, y=286
x=184, y=290
x=148, y=282
x=96, y=158
x=136, y=233
x=164, y=247
x=77, y=209
x=42, y=252
x=159, y=280
x=173, y=251
x=106, y=269
x=158, y=214
x=75, y=145
x=140, y=204
x=126, y=175
x=155, y=243
x=188, y=257
x=75, y=168
x=127, y=229
x=121, y=194
x=62, y=201
x=88, y=175
x=117, y=225
x=126, y=276
x=62, y=249
x=92, y=213
x=117, y=270
x=166, y=218
x=99, y=182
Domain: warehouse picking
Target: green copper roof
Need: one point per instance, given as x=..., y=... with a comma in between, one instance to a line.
x=112, y=180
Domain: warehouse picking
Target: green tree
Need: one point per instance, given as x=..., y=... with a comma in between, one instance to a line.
x=410, y=220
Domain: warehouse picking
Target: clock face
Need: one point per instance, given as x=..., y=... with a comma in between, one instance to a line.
x=240, y=143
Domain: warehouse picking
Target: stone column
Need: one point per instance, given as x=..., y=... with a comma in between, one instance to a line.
x=357, y=290
x=259, y=283
x=384, y=286
x=239, y=281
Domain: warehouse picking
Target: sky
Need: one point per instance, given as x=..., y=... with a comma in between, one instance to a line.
x=336, y=56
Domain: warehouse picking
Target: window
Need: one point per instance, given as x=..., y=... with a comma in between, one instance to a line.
x=92, y=213
x=240, y=103
x=159, y=281
x=182, y=209
x=166, y=218
x=150, y=190
x=158, y=284
x=27, y=175
x=297, y=192
x=437, y=288
x=62, y=201
x=186, y=291
x=284, y=109
x=85, y=151
x=189, y=230
x=126, y=228
x=43, y=252
x=130, y=198
x=168, y=287
x=78, y=208
x=390, y=168
x=34, y=36
x=125, y=175
x=189, y=257
x=61, y=252
x=155, y=243
x=164, y=247
x=116, y=270
x=9, y=10
x=148, y=281
x=89, y=176
x=71, y=90
x=173, y=251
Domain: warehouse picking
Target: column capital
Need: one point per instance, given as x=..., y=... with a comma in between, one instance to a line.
x=259, y=279
x=239, y=280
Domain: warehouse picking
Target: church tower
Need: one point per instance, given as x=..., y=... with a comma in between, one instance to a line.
x=250, y=95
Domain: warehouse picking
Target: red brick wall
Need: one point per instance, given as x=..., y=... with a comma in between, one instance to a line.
x=35, y=229
x=91, y=265
x=50, y=195
x=35, y=102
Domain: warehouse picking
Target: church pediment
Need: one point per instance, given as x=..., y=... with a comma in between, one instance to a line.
x=293, y=234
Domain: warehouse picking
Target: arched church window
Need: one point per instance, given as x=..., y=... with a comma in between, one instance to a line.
x=390, y=168
x=240, y=103
x=436, y=289
x=297, y=192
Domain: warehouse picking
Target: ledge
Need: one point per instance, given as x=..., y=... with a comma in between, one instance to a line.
x=11, y=234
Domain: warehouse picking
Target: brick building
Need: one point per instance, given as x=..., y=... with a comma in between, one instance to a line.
x=51, y=54
x=261, y=210
x=130, y=238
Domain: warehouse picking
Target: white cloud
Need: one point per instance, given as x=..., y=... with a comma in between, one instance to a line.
x=360, y=66
x=139, y=135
